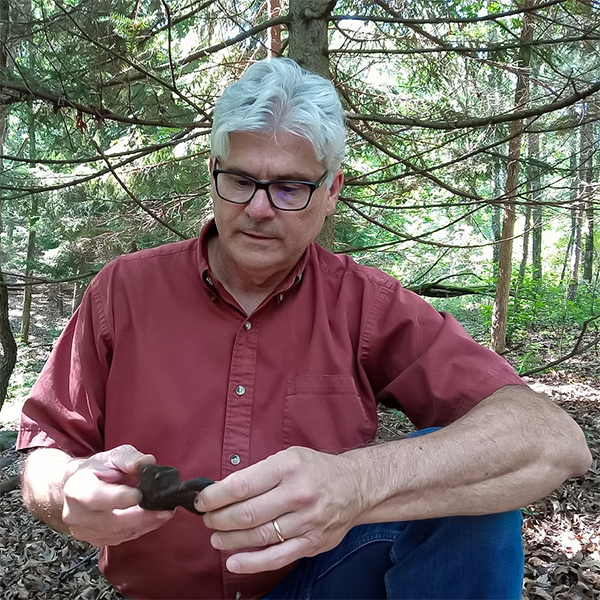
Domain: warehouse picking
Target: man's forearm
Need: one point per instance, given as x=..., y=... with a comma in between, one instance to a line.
x=512, y=449
x=44, y=475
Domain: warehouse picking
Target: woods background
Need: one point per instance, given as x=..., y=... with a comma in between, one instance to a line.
x=471, y=175
x=471, y=172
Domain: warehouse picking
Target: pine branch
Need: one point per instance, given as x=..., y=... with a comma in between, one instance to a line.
x=28, y=92
x=483, y=121
x=447, y=19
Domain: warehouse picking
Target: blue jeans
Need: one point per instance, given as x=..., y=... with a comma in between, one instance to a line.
x=452, y=558
x=473, y=558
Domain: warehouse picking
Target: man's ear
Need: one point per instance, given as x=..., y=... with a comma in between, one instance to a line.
x=334, y=191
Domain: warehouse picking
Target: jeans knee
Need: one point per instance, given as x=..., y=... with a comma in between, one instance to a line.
x=481, y=534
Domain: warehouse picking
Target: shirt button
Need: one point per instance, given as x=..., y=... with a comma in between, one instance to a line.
x=240, y=390
x=209, y=280
x=280, y=297
x=247, y=325
x=235, y=459
x=238, y=595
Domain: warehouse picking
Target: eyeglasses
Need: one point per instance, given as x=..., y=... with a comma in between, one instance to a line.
x=283, y=194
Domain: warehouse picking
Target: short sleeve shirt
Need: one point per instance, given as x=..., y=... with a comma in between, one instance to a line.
x=159, y=355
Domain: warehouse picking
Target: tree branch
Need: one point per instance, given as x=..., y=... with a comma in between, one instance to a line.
x=137, y=67
x=577, y=349
x=123, y=79
x=134, y=198
x=446, y=19
x=85, y=179
x=585, y=37
x=32, y=281
x=484, y=121
x=28, y=92
x=414, y=170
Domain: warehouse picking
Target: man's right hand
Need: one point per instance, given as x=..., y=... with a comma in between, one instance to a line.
x=95, y=499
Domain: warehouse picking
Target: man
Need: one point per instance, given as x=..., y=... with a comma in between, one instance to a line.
x=252, y=356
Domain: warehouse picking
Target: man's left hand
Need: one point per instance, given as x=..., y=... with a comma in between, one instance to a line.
x=314, y=497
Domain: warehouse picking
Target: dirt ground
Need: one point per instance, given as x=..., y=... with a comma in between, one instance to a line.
x=561, y=532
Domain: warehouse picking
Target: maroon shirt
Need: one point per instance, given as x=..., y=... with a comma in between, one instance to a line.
x=160, y=356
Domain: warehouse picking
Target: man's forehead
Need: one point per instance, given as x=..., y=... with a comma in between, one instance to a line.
x=282, y=139
x=283, y=154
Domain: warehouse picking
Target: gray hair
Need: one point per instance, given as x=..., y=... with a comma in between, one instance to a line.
x=278, y=95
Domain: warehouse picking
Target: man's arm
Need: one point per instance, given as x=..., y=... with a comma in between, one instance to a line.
x=45, y=472
x=511, y=449
x=508, y=451
x=93, y=499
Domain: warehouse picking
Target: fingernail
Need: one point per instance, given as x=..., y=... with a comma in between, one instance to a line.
x=199, y=505
x=233, y=566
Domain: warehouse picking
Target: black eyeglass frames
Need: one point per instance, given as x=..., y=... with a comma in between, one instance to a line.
x=283, y=194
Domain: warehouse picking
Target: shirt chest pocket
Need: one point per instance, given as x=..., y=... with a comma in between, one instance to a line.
x=325, y=412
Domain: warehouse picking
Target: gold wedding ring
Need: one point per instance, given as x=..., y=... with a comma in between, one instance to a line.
x=278, y=530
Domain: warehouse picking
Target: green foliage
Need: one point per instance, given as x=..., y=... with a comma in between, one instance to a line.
x=129, y=29
x=7, y=439
x=538, y=313
x=139, y=80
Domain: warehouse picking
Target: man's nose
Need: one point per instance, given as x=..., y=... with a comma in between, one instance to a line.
x=259, y=208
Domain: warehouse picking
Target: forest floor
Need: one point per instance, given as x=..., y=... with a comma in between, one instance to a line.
x=561, y=532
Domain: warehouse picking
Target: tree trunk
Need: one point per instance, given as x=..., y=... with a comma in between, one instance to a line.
x=535, y=199
x=500, y=310
x=26, y=316
x=588, y=253
x=7, y=339
x=524, y=257
x=587, y=193
x=33, y=217
x=573, y=198
x=582, y=197
x=576, y=214
x=532, y=183
x=274, y=33
x=309, y=47
x=496, y=213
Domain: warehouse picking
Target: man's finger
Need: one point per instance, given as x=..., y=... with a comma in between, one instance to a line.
x=270, y=559
x=257, y=537
x=250, y=513
x=84, y=488
x=120, y=526
x=127, y=458
x=247, y=483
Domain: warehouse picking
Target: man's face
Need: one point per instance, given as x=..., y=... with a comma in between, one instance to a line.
x=256, y=240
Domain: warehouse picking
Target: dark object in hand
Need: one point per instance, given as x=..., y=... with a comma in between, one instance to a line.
x=162, y=490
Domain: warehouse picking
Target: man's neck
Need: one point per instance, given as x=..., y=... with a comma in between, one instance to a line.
x=248, y=291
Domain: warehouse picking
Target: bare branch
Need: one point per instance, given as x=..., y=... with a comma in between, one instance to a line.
x=577, y=349
x=101, y=172
x=484, y=121
x=134, y=198
x=123, y=79
x=447, y=19
x=414, y=170
x=33, y=281
x=584, y=37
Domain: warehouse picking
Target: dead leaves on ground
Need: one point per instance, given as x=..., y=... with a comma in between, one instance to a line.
x=35, y=561
x=561, y=532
